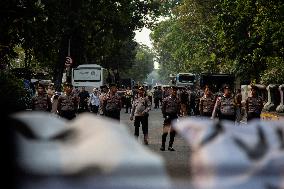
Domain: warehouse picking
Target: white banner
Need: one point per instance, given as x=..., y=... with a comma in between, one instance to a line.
x=87, y=74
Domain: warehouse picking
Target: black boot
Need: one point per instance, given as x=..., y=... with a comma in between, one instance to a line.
x=172, y=138
x=164, y=138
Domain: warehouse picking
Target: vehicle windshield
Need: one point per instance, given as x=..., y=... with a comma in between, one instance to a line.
x=186, y=78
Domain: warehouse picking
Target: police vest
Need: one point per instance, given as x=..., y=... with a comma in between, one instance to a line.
x=207, y=104
x=254, y=104
x=112, y=103
x=171, y=105
x=67, y=103
x=40, y=103
x=227, y=106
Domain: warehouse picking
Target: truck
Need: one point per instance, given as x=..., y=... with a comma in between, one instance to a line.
x=216, y=81
x=127, y=82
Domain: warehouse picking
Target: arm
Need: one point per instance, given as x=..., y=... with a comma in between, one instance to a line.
x=216, y=107
x=59, y=104
x=33, y=103
x=49, y=105
x=201, y=106
x=164, y=104
x=148, y=105
x=132, y=110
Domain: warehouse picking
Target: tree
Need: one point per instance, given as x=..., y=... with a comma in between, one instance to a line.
x=244, y=38
x=142, y=66
x=97, y=30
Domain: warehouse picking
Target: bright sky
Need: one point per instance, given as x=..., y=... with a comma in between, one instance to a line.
x=144, y=38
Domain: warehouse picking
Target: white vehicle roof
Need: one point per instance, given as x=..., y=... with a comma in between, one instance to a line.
x=88, y=66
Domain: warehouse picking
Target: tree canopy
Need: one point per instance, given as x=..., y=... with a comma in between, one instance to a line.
x=241, y=37
x=100, y=32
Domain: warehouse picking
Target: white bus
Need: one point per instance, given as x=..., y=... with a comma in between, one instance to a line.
x=88, y=76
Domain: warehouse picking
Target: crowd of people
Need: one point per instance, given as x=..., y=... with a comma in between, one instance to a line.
x=174, y=102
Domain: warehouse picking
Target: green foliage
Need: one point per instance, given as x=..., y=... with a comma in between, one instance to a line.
x=142, y=66
x=100, y=32
x=275, y=71
x=242, y=37
x=11, y=94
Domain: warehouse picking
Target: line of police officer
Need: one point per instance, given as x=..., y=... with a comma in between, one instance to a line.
x=224, y=107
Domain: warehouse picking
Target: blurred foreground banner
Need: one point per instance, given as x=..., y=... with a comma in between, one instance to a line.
x=229, y=156
x=87, y=152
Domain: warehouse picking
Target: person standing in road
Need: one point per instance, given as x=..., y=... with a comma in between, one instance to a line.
x=140, y=111
x=170, y=110
x=94, y=101
x=254, y=105
x=184, y=100
x=225, y=107
x=128, y=97
x=41, y=101
x=207, y=102
x=238, y=102
x=149, y=94
x=156, y=97
x=102, y=96
x=112, y=103
x=83, y=100
x=67, y=103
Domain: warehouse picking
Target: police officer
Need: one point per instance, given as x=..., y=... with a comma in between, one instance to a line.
x=225, y=107
x=254, y=105
x=67, y=103
x=112, y=103
x=102, y=96
x=207, y=102
x=184, y=99
x=83, y=100
x=170, y=110
x=128, y=97
x=140, y=110
x=41, y=101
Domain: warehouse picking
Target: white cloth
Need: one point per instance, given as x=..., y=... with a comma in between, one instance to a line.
x=87, y=152
x=94, y=100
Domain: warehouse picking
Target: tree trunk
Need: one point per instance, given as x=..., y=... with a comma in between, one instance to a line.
x=60, y=66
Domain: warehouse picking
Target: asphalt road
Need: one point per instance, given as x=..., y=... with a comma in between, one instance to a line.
x=177, y=161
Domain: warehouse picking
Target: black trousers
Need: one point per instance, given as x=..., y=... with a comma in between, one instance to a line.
x=113, y=114
x=94, y=109
x=167, y=128
x=227, y=117
x=144, y=122
x=253, y=115
x=156, y=102
x=68, y=114
x=127, y=104
x=206, y=114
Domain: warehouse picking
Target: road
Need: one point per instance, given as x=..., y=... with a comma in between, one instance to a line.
x=177, y=161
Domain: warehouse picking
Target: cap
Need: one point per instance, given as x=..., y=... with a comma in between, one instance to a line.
x=226, y=86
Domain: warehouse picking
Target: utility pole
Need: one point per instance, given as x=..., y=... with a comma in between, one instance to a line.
x=68, y=63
